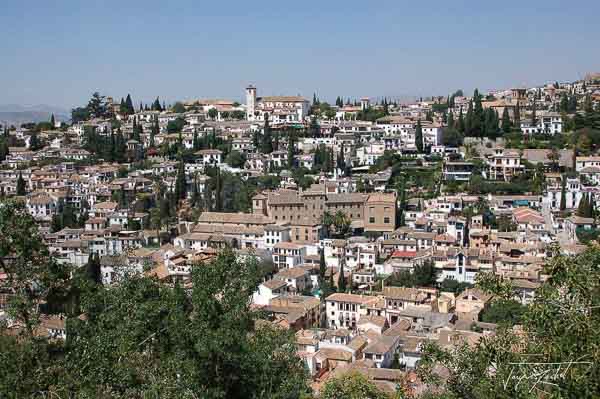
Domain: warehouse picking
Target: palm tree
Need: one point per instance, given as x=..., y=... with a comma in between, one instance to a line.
x=327, y=220
x=342, y=223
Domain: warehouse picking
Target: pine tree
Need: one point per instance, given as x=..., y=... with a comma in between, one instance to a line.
x=419, y=137
x=21, y=185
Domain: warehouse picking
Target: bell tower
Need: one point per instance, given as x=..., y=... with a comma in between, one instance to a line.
x=250, y=102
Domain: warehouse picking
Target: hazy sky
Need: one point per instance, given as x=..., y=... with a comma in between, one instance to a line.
x=59, y=52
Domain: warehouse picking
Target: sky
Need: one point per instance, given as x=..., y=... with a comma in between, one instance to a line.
x=59, y=52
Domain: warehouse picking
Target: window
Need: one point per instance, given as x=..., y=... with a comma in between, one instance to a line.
x=386, y=220
x=371, y=219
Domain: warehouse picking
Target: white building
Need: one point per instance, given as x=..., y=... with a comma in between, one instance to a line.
x=278, y=109
x=547, y=123
x=288, y=255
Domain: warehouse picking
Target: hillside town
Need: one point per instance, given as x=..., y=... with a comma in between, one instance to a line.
x=378, y=225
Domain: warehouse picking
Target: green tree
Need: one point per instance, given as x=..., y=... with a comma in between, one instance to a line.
x=419, y=137
x=93, y=270
x=156, y=105
x=503, y=311
x=129, y=105
x=351, y=386
x=4, y=150
x=291, y=150
x=341, y=279
x=266, y=146
x=342, y=223
x=235, y=159
x=506, y=122
x=34, y=142
x=178, y=108
x=560, y=327
x=213, y=113
x=21, y=189
x=97, y=107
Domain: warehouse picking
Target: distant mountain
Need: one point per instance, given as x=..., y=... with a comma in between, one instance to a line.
x=15, y=114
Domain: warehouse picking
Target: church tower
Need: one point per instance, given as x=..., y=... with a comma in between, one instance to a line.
x=250, y=102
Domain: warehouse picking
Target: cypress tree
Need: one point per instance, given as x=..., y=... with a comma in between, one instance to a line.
x=52, y=120
x=563, y=193
x=276, y=141
x=21, y=185
x=93, y=269
x=450, y=120
x=156, y=105
x=582, y=207
x=331, y=283
x=342, y=280
x=266, y=146
x=129, y=105
x=195, y=192
x=419, y=137
x=34, y=142
x=180, y=184
x=517, y=115
x=322, y=265
x=478, y=117
x=461, y=123
x=506, y=122
x=331, y=160
x=291, y=150
x=469, y=120
x=534, y=114
x=340, y=159
x=3, y=149
x=218, y=204
x=195, y=142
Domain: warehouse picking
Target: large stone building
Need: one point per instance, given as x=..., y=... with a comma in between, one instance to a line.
x=280, y=109
x=375, y=212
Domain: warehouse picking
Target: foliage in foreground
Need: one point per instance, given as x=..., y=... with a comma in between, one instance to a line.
x=142, y=338
x=556, y=353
